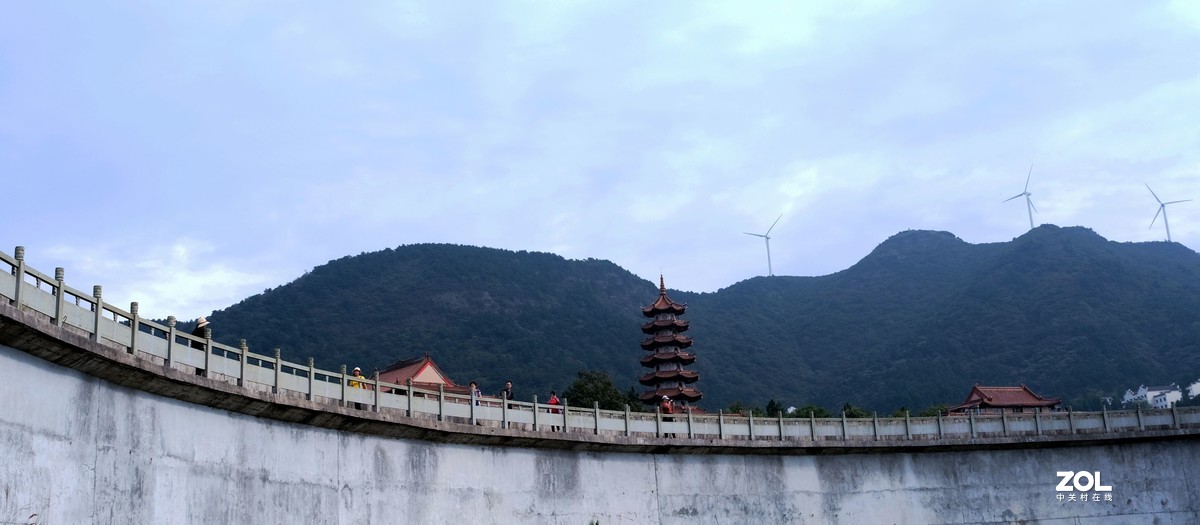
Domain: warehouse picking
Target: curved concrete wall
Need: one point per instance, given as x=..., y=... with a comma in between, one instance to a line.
x=81, y=450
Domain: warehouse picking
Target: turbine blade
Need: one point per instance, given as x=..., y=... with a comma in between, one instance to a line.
x=1013, y=197
x=1028, y=176
x=1173, y=202
x=1031, y=206
x=774, y=223
x=1160, y=210
x=1154, y=194
x=754, y=234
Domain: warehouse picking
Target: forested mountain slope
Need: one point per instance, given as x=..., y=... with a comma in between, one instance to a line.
x=914, y=323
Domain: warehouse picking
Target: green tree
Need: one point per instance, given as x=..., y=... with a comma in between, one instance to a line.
x=738, y=407
x=774, y=408
x=900, y=412
x=811, y=410
x=933, y=411
x=852, y=411
x=594, y=386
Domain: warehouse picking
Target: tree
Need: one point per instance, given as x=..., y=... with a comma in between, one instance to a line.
x=811, y=410
x=774, y=408
x=594, y=386
x=852, y=411
x=738, y=407
x=933, y=411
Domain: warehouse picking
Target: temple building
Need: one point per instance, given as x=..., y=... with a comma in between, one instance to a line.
x=1001, y=399
x=425, y=374
x=667, y=359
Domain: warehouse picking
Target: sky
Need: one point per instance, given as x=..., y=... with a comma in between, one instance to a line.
x=187, y=155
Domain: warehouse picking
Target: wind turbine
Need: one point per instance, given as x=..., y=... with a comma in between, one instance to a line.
x=1026, y=194
x=1162, y=208
x=767, y=237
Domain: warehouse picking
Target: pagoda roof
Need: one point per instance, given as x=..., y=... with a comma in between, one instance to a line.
x=686, y=358
x=1003, y=397
x=681, y=341
x=654, y=378
x=679, y=325
x=687, y=393
x=663, y=304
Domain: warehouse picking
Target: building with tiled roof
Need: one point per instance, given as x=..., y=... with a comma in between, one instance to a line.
x=424, y=373
x=668, y=356
x=1000, y=399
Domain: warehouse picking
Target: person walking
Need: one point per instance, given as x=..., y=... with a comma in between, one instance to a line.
x=507, y=393
x=358, y=382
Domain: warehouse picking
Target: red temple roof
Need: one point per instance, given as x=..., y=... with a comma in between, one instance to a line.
x=423, y=372
x=685, y=358
x=685, y=376
x=1004, y=397
x=681, y=341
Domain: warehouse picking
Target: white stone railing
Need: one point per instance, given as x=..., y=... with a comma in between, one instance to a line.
x=31, y=290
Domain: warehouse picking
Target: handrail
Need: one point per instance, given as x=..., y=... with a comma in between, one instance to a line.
x=145, y=339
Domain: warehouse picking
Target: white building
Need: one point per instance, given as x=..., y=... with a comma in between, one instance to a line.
x=1166, y=399
x=1132, y=397
x=1193, y=389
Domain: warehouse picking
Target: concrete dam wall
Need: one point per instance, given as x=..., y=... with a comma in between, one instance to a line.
x=79, y=449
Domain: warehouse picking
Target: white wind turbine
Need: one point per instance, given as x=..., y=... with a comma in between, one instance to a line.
x=1162, y=208
x=767, y=237
x=1026, y=194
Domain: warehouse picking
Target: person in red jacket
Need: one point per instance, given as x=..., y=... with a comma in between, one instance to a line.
x=554, y=402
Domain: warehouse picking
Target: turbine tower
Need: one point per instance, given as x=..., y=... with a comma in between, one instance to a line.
x=1162, y=208
x=767, y=237
x=1026, y=194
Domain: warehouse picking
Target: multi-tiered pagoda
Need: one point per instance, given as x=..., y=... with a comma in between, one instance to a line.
x=668, y=357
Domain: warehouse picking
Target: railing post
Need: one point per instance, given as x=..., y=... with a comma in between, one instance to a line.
x=98, y=312
x=278, y=370
x=1174, y=418
x=504, y=410
x=1071, y=419
x=1003, y=423
x=750, y=423
x=626, y=419
x=207, y=350
x=344, y=385
x=474, y=400
x=59, y=296
x=1141, y=426
x=971, y=420
x=596, y=415
x=658, y=422
x=375, y=392
x=844, y=425
x=19, y=253
x=1037, y=421
x=565, y=413
x=691, y=432
x=441, y=401
x=907, y=427
x=409, y=411
x=780, y=414
x=875, y=424
x=941, y=433
x=170, y=340
x=312, y=378
x=241, y=381
x=134, y=326
x=812, y=425
x=1104, y=417
x=535, y=414
x=720, y=424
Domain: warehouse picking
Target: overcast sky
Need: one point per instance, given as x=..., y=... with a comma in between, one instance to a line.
x=187, y=155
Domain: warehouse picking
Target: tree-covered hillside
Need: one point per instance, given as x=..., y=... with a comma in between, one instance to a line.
x=915, y=323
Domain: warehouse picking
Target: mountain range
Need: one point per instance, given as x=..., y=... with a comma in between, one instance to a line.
x=915, y=323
